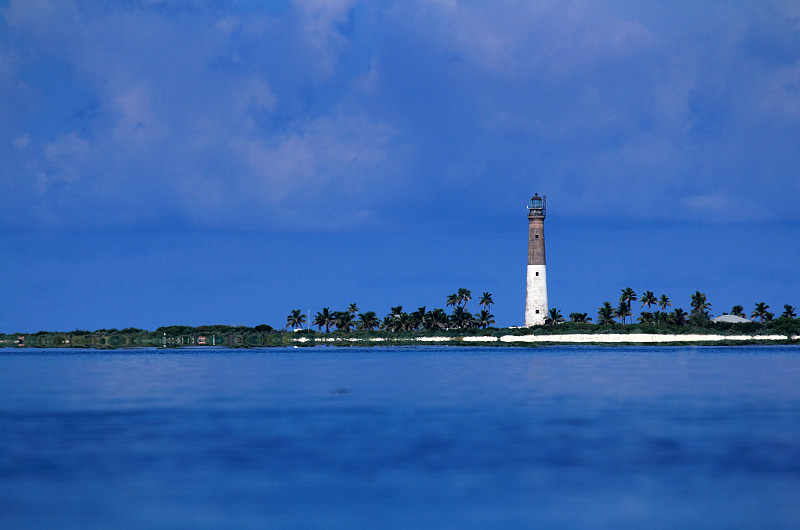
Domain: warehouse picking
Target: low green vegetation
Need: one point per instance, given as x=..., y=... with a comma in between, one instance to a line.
x=167, y=336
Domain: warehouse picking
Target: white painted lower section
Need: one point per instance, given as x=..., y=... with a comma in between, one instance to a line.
x=536, y=296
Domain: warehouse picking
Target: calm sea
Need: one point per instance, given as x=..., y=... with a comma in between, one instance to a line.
x=456, y=437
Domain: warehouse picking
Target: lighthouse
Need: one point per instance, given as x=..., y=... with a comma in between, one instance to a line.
x=536, y=292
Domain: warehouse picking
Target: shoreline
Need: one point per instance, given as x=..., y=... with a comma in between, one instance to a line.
x=570, y=338
x=505, y=337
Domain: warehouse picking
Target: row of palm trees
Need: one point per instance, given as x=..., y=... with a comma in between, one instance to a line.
x=762, y=312
x=608, y=314
x=422, y=319
x=398, y=320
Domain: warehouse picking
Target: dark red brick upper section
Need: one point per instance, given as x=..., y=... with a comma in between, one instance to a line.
x=535, y=238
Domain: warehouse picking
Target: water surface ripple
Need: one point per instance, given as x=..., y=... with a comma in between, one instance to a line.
x=555, y=437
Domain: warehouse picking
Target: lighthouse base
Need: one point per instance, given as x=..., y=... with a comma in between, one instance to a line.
x=536, y=296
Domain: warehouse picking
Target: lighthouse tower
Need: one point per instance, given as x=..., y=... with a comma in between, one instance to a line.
x=536, y=292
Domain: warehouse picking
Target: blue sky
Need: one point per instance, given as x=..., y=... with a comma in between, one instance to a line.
x=190, y=162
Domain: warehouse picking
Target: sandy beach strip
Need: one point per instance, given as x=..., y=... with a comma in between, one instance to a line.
x=638, y=338
x=569, y=338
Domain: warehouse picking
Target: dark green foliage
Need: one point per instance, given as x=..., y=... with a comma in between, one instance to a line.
x=343, y=320
x=554, y=317
x=761, y=312
x=368, y=321
x=579, y=317
x=649, y=299
x=323, y=318
x=175, y=330
x=295, y=319
x=622, y=311
x=628, y=296
x=700, y=307
x=699, y=319
x=748, y=328
x=485, y=319
x=486, y=300
x=787, y=325
x=461, y=318
x=605, y=314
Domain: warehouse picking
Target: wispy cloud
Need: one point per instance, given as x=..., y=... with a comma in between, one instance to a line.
x=125, y=112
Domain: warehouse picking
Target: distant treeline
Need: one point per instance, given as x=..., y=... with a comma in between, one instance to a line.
x=165, y=336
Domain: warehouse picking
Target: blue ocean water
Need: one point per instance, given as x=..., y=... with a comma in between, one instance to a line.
x=561, y=437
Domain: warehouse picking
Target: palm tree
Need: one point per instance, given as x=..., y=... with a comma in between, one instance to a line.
x=659, y=317
x=452, y=300
x=327, y=315
x=760, y=311
x=436, y=319
x=622, y=311
x=368, y=321
x=788, y=311
x=343, y=321
x=486, y=300
x=352, y=309
x=461, y=318
x=296, y=319
x=664, y=302
x=323, y=318
x=418, y=317
x=646, y=317
x=464, y=296
x=628, y=296
x=428, y=322
x=649, y=299
x=699, y=304
x=738, y=311
x=402, y=322
x=485, y=318
x=318, y=321
x=605, y=314
x=677, y=317
x=554, y=317
x=579, y=317
x=394, y=320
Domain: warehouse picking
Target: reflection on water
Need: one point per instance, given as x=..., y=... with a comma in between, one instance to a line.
x=551, y=437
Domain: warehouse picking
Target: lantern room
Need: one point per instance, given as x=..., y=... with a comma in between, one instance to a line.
x=537, y=206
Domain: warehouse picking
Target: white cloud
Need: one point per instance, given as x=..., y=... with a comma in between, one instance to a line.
x=715, y=205
x=529, y=39
x=254, y=94
x=256, y=113
x=321, y=21
x=64, y=160
x=137, y=122
x=22, y=142
x=317, y=166
x=42, y=15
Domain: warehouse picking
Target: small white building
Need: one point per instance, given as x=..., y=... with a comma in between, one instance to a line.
x=730, y=318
